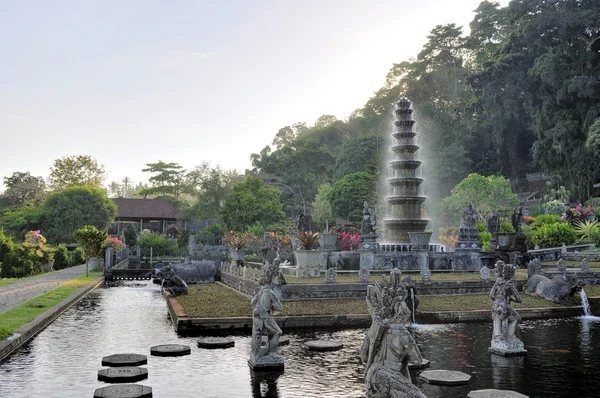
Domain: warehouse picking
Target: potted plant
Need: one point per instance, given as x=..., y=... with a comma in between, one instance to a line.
x=236, y=244
x=309, y=261
x=505, y=234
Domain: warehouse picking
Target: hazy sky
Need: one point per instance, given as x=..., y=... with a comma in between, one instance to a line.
x=131, y=82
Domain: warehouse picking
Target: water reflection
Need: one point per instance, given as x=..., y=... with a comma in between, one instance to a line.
x=64, y=359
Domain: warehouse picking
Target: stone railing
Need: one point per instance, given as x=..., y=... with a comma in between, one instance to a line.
x=554, y=253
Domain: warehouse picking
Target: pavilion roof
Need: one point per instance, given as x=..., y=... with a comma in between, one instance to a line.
x=145, y=208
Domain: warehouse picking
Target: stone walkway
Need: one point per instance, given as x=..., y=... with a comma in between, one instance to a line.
x=17, y=293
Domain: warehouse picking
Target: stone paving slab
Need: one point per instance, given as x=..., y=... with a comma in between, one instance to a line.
x=19, y=292
x=445, y=377
x=493, y=393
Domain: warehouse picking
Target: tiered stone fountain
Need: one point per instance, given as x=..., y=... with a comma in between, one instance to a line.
x=405, y=223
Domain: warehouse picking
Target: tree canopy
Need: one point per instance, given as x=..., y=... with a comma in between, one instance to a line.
x=76, y=170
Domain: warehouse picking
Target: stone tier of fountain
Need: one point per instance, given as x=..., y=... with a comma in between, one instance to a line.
x=405, y=199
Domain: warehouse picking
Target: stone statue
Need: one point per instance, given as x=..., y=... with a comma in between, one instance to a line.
x=469, y=220
x=412, y=300
x=364, y=274
x=560, y=289
x=264, y=303
x=172, y=282
x=301, y=222
x=585, y=265
x=369, y=220
x=192, y=245
x=484, y=273
x=517, y=220
x=389, y=347
x=534, y=267
x=561, y=266
x=331, y=276
x=505, y=318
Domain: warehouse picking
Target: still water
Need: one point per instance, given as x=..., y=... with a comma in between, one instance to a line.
x=63, y=360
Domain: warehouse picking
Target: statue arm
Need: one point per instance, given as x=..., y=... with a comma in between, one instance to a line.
x=514, y=295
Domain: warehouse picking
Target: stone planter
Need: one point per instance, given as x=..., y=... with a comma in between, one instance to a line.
x=420, y=240
x=328, y=241
x=237, y=254
x=310, y=262
x=47, y=267
x=505, y=240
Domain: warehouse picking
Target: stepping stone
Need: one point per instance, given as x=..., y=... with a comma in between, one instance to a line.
x=124, y=391
x=445, y=377
x=283, y=340
x=125, y=374
x=323, y=345
x=118, y=360
x=170, y=350
x=493, y=393
x=216, y=342
x=424, y=364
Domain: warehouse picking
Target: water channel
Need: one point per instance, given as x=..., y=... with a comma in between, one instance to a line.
x=63, y=360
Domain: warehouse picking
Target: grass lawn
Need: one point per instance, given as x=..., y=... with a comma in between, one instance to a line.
x=442, y=276
x=592, y=291
x=216, y=301
x=28, y=311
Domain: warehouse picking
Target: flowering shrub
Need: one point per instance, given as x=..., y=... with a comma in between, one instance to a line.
x=350, y=240
x=448, y=236
x=35, y=245
x=234, y=241
x=528, y=219
x=115, y=242
x=578, y=214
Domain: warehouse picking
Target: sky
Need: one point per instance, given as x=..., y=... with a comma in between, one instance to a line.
x=131, y=82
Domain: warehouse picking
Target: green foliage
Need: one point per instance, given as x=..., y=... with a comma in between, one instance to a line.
x=587, y=231
x=16, y=222
x=322, y=212
x=91, y=240
x=486, y=239
x=211, y=187
x=348, y=195
x=561, y=194
x=61, y=258
x=168, y=180
x=359, y=154
x=22, y=189
x=211, y=235
x=481, y=227
x=506, y=227
x=594, y=202
x=130, y=234
x=553, y=235
x=256, y=229
x=76, y=170
x=161, y=245
x=73, y=208
x=488, y=194
x=252, y=202
x=544, y=219
x=78, y=256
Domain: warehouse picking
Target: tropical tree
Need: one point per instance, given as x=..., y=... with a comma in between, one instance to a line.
x=322, y=212
x=92, y=242
x=487, y=194
x=168, y=180
x=76, y=170
x=211, y=186
x=348, y=195
x=252, y=201
x=21, y=189
x=73, y=208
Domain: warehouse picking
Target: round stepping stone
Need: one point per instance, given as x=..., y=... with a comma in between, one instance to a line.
x=124, y=391
x=170, y=350
x=283, y=340
x=216, y=342
x=445, y=377
x=323, y=345
x=125, y=374
x=424, y=364
x=118, y=360
x=493, y=393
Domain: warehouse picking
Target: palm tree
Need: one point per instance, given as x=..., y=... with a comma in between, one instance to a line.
x=115, y=189
x=127, y=186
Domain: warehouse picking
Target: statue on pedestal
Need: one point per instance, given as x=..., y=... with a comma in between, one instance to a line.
x=172, y=282
x=264, y=303
x=505, y=318
x=369, y=220
x=389, y=347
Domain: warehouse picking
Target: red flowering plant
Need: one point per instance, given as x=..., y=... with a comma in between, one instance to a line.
x=528, y=220
x=234, y=241
x=114, y=242
x=350, y=240
x=578, y=214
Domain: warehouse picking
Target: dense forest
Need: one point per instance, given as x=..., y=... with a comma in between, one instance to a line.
x=519, y=94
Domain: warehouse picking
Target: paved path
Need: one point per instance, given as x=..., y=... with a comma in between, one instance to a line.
x=17, y=293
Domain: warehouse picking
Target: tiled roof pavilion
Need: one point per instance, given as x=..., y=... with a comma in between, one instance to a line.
x=144, y=211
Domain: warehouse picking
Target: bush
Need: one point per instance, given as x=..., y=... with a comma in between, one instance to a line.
x=544, y=219
x=16, y=261
x=554, y=235
x=507, y=228
x=130, y=235
x=486, y=239
x=161, y=245
x=61, y=258
x=594, y=202
x=78, y=256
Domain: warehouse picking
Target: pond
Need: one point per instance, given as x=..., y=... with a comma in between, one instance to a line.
x=63, y=360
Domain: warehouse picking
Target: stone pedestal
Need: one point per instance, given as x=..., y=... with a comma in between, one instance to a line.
x=508, y=347
x=367, y=259
x=272, y=361
x=368, y=241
